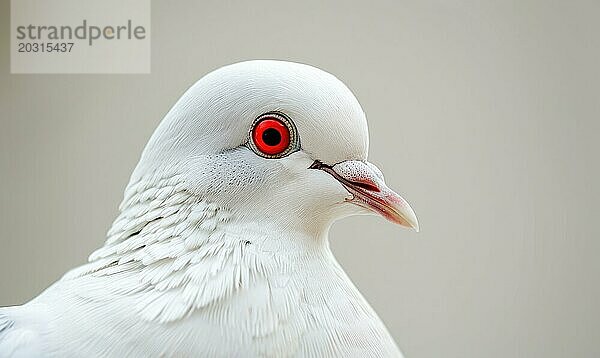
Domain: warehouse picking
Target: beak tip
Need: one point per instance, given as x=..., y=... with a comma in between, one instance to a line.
x=410, y=218
x=409, y=222
x=415, y=226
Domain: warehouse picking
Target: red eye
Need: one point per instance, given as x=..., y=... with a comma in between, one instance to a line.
x=271, y=136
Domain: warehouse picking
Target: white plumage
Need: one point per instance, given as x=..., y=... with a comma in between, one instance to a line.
x=219, y=251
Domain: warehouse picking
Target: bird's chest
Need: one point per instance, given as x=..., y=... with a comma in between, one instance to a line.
x=317, y=313
x=230, y=297
x=307, y=309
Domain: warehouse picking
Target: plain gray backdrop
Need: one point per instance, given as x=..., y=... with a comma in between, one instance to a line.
x=483, y=114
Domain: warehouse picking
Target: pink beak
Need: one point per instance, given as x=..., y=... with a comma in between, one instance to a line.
x=365, y=182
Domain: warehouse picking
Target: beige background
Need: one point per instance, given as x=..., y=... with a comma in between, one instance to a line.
x=484, y=114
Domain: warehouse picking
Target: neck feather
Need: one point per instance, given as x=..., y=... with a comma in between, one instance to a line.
x=188, y=253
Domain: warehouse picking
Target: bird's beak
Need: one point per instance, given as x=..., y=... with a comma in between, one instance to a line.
x=365, y=182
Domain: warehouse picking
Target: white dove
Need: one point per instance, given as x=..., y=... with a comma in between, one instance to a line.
x=221, y=245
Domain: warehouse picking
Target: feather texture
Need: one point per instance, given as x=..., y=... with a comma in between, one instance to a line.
x=216, y=251
x=173, y=265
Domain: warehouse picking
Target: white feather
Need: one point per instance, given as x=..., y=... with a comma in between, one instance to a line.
x=218, y=252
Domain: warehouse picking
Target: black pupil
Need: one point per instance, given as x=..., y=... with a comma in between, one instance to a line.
x=271, y=137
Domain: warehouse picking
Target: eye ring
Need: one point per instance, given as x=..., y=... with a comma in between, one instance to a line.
x=273, y=135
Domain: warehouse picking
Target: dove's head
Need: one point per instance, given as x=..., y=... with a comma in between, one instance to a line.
x=277, y=144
